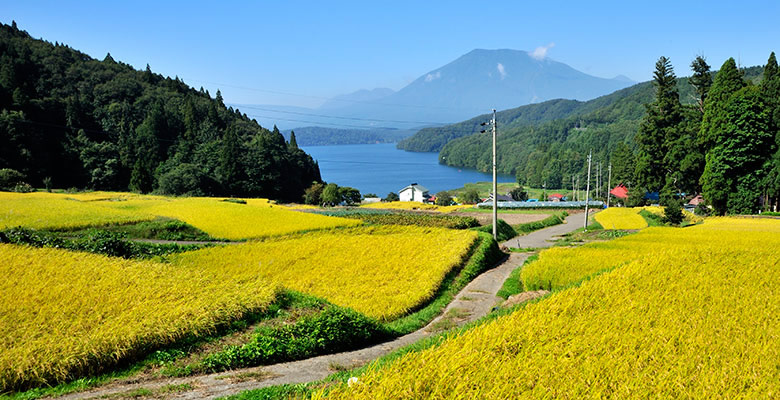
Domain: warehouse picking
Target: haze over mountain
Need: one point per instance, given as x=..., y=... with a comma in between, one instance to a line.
x=470, y=85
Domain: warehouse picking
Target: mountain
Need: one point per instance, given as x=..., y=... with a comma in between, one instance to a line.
x=359, y=96
x=478, y=81
x=68, y=120
x=319, y=136
x=472, y=84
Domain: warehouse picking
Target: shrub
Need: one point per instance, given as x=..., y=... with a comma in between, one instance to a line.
x=519, y=194
x=333, y=329
x=504, y=231
x=9, y=178
x=471, y=196
x=443, y=198
x=673, y=212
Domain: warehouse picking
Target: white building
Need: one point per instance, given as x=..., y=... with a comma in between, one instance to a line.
x=413, y=192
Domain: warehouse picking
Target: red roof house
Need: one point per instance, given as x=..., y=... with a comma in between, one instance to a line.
x=620, y=192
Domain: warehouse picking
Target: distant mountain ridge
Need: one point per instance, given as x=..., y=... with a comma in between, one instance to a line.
x=469, y=85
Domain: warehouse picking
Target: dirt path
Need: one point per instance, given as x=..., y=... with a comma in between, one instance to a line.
x=509, y=218
x=542, y=237
x=473, y=302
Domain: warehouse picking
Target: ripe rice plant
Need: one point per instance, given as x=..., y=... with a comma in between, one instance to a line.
x=621, y=218
x=58, y=211
x=229, y=220
x=66, y=314
x=380, y=271
x=693, y=314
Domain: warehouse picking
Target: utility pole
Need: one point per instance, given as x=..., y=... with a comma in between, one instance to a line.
x=495, y=185
x=609, y=182
x=572, y=189
x=587, y=192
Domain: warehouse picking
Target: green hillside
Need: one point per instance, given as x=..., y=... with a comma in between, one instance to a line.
x=68, y=120
x=549, y=142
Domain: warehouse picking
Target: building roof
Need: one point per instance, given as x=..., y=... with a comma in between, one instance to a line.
x=414, y=186
x=620, y=192
x=558, y=195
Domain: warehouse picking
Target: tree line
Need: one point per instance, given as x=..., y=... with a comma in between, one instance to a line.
x=69, y=120
x=724, y=146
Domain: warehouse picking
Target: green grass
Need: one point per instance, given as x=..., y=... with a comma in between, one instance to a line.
x=652, y=219
x=513, y=284
x=555, y=219
x=504, y=231
x=114, y=244
x=159, y=228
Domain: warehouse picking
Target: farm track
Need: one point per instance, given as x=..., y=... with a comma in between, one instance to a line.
x=473, y=302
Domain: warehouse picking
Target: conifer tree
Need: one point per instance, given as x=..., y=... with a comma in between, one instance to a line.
x=770, y=94
x=701, y=80
x=727, y=82
x=659, y=129
x=293, y=142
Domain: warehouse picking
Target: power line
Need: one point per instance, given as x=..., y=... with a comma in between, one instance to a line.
x=337, y=117
x=369, y=162
x=322, y=97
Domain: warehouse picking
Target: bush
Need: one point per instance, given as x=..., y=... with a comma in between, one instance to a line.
x=504, y=231
x=471, y=196
x=443, y=199
x=519, y=194
x=392, y=196
x=673, y=212
x=332, y=330
x=9, y=178
x=23, y=187
x=313, y=194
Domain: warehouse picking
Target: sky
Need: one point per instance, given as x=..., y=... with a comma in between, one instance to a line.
x=303, y=52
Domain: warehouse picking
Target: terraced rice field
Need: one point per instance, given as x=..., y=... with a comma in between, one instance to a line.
x=676, y=313
x=57, y=211
x=218, y=218
x=64, y=314
x=621, y=218
x=380, y=271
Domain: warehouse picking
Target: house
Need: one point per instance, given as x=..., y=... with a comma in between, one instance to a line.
x=414, y=192
x=555, y=197
x=620, y=192
x=696, y=200
x=370, y=200
x=501, y=197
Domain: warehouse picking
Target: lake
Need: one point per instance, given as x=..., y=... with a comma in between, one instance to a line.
x=381, y=168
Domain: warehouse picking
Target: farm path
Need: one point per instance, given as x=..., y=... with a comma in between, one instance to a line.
x=473, y=302
x=544, y=237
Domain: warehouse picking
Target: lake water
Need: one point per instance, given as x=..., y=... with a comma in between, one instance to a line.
x=381, y=168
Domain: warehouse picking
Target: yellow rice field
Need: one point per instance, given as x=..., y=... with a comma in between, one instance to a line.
x=380, y=271
x=58, y=211
x=621, y=218
x=415, y=205
x=226, y=220
x=695, y=313
x=218, y=218
x=64, y=314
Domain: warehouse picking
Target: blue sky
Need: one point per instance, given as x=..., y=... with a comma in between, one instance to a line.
x=298, y=53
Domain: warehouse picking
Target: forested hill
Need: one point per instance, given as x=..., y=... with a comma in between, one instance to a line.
x=320, y=136
x=549, y=142
x=68, y=120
